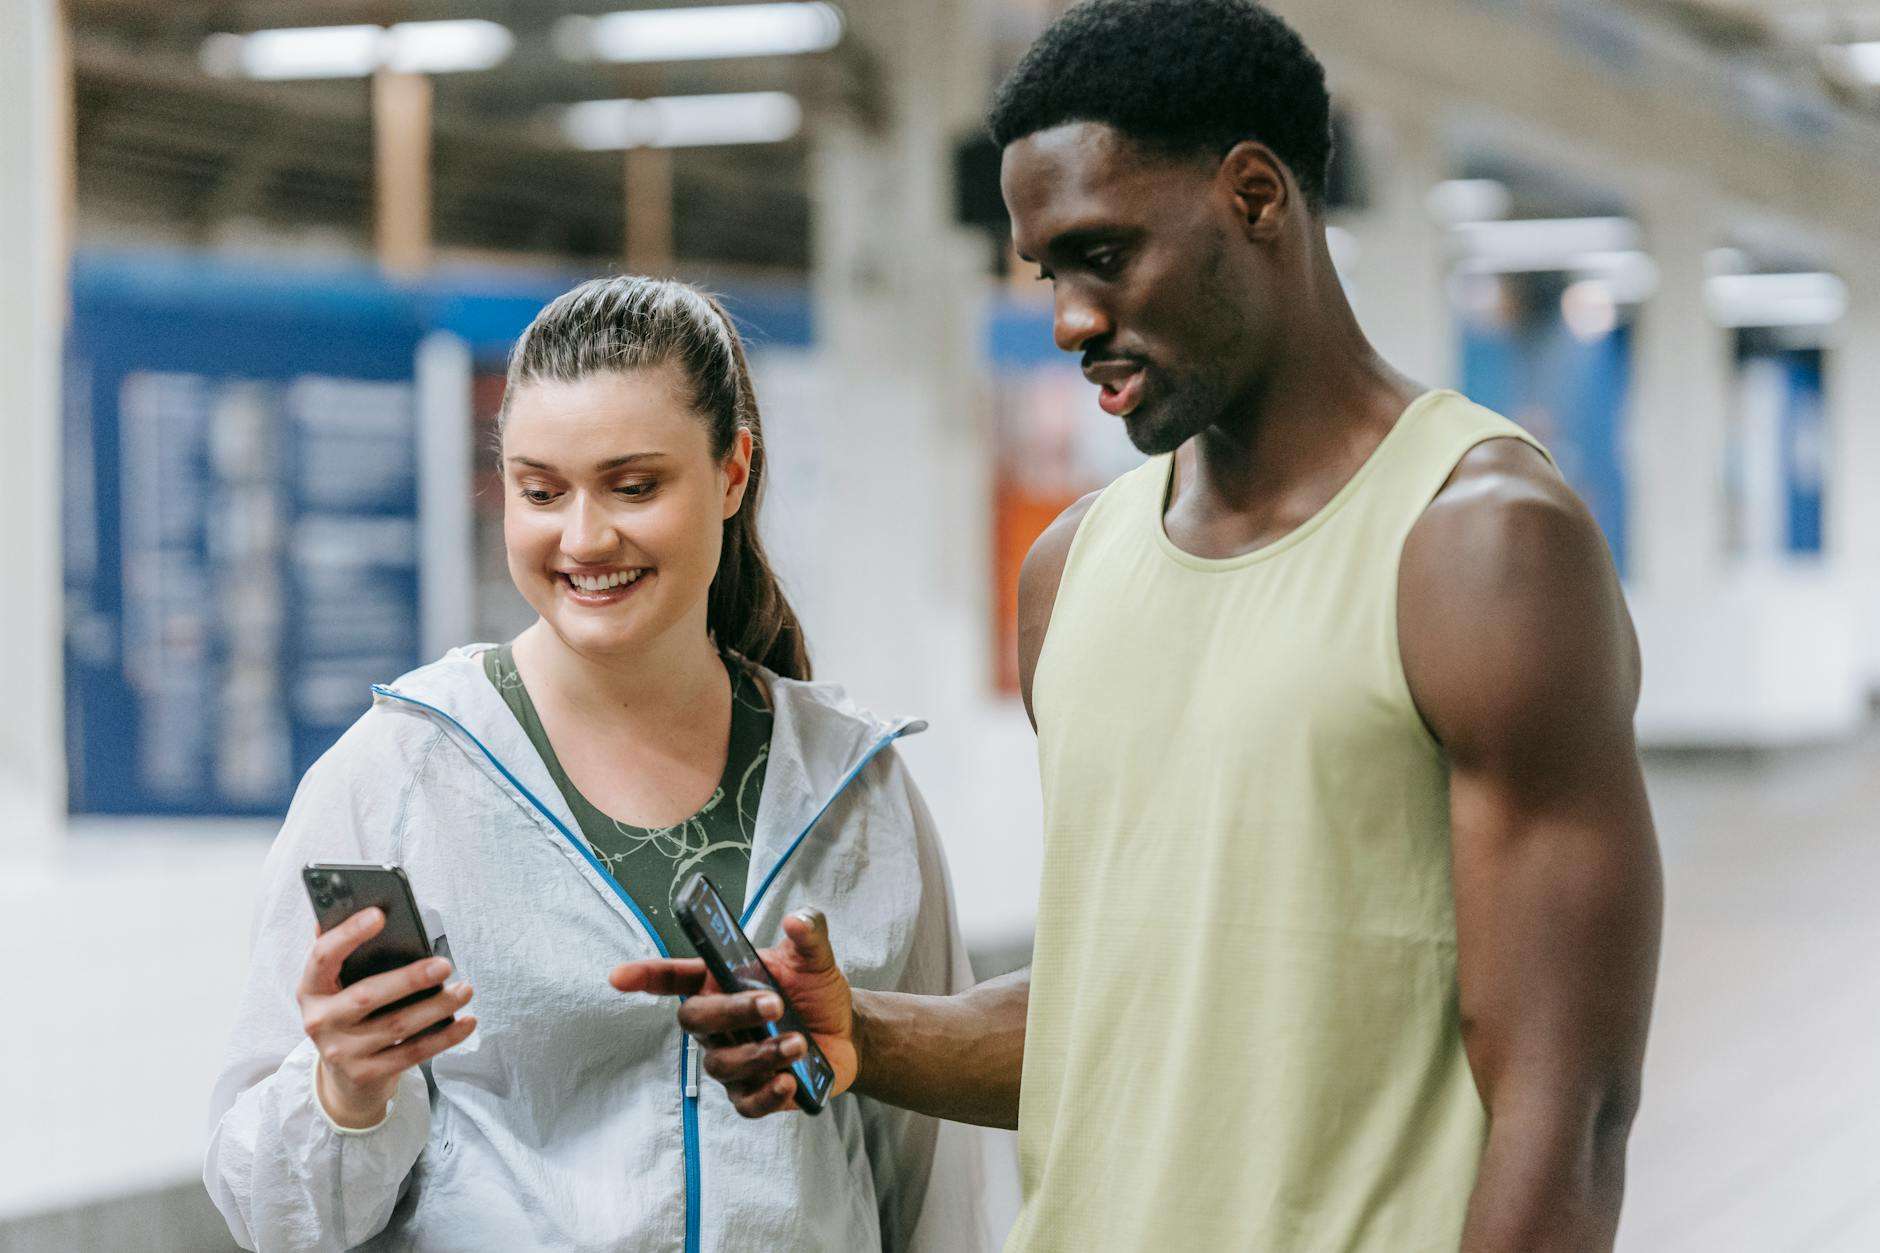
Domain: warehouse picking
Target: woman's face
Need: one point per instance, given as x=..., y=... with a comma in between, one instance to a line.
x=614, y=507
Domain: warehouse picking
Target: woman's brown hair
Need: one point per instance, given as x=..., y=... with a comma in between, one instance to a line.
x=634, y=323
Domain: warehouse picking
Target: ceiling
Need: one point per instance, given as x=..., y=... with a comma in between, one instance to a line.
x=167, y=152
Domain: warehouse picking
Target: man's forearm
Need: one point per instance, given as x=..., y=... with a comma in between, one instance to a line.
x=954, y=1057
x=1549, y=1180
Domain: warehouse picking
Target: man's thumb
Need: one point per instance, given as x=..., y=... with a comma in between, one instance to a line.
x=809, y=935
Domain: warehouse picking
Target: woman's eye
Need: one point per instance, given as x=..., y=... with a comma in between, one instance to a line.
x=634, y=491
x=537, y=495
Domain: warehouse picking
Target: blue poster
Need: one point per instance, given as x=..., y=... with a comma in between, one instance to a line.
x=241, y=558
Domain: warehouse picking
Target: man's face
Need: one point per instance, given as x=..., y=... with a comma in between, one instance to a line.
x=1142, y=256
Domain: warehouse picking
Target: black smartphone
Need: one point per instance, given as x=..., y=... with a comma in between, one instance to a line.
x=737, y=967
x=339, y=890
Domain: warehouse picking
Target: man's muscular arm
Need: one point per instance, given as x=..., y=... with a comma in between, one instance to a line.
x=1522, y=660
x=956, y=1057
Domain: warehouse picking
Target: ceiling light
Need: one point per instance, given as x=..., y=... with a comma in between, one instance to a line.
x=756, y=117
x=1755, y=300
x=1536, y=244
x=301, y=52
x=1862, y=61
x=357, y=51
x=446, y=47
x=705, y=32
x=1469, y=200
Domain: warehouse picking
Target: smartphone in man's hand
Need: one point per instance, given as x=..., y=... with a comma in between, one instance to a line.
x=734, y=963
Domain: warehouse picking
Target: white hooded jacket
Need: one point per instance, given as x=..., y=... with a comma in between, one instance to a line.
x=574, y=1117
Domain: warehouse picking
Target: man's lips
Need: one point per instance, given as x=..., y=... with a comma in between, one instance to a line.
x=1119, y=386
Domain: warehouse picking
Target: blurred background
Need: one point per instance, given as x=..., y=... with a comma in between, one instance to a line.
x=261, y=262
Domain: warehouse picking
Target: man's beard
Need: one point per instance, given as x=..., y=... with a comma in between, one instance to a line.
x=1172, y=415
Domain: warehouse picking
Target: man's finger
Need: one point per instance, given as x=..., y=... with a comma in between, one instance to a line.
x=753, y=1064
x=709, y=1015
x=808, y=933
x=772, y=1097
x=332, y=948
x=684, y=976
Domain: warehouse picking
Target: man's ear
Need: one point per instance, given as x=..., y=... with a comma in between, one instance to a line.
x=1261, y=188
x=737, y=471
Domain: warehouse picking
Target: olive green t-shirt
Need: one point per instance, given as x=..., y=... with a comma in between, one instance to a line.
x=650, y=863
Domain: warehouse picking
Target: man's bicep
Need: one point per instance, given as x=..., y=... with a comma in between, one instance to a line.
x=1038, y=580
x=1520, y=655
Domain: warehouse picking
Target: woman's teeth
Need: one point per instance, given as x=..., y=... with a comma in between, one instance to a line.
x=604, y=582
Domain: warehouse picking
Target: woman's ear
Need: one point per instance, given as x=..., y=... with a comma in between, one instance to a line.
x=737, y=471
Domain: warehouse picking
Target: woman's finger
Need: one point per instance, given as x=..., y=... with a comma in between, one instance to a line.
x=415, y=1051
x=368, y=996
x=332, y=948
x=383, y=1032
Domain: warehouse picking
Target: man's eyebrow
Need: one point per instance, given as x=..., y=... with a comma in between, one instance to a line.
x=612, y=463
x=1077, y=238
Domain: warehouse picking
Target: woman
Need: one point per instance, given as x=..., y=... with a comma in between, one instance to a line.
x=545, y=798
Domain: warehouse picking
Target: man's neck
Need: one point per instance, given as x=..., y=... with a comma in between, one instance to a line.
x=1295, y=442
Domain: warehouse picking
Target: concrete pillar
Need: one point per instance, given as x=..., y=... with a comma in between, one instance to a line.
x=897, y=289
x=1683, y=375
x=401, y=133
x=1853, y=399
x=1396, y=275
x=649, y=210
x=35, y=173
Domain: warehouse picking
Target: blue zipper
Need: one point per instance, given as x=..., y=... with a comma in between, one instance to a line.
x=688, y=1103
x=750, y=906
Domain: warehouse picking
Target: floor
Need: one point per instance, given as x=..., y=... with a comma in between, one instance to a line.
x=1760, y=1131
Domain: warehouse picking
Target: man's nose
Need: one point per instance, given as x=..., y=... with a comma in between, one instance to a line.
x=1076, y=320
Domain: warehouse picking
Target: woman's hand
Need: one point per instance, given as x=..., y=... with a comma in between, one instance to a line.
x=757, y=1076
x=361, y=1057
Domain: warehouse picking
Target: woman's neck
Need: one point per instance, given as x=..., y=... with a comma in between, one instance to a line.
x=667, y=682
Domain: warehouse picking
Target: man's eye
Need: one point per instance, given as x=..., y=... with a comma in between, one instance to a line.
x=1104, y=261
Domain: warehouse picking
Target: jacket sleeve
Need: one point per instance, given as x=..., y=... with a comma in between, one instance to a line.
x=281, y=1172
x=929, y=1174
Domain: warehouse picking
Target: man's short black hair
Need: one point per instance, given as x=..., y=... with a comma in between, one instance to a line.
x=1176, y=76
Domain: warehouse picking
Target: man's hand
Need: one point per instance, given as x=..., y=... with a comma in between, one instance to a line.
x=757, y=1075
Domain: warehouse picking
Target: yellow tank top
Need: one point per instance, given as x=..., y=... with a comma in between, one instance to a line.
x=1243, y=1030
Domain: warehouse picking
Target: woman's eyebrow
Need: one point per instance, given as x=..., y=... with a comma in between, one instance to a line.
x=612, y=463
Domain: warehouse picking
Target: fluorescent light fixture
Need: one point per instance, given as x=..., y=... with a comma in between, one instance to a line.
x=1862, y=61
x=754, y=117
x=1541, y=243
x=1458, y=200
x=446, y=47
x=357, y=51
x=1759, y=300
x=301, y=52
x=1590, y=309
x=701, y=33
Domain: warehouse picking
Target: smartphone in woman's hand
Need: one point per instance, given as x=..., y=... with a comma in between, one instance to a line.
x=338, y=890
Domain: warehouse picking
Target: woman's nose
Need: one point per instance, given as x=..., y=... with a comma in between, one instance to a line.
x=588, y=535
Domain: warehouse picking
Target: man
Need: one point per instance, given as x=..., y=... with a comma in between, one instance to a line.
x=1350, y=909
